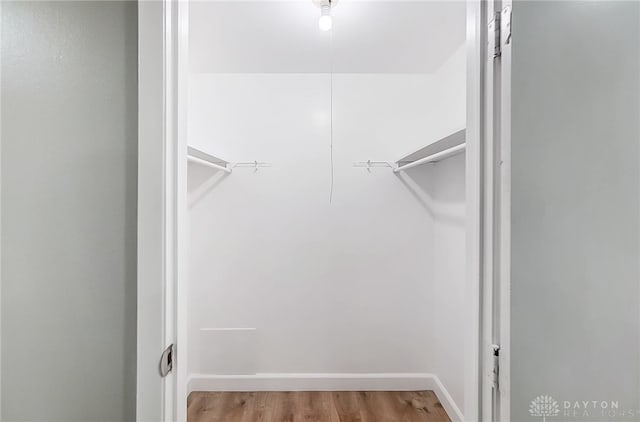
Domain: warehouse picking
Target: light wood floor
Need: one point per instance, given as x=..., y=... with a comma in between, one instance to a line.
x=360, y=406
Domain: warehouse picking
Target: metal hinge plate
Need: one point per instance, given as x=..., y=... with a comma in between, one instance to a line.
x=493, y=37
x=495, y=372
x=505, y=26
x=166, y=361
x=499, y=32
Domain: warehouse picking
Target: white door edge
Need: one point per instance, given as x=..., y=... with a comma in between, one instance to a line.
x=474, y=192
x=155, y=396
x=504, y=294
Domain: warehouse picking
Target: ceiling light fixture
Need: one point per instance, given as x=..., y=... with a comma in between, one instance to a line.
x=326, y=21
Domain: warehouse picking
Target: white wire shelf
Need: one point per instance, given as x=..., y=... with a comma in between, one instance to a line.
x=197, y=156
x=440, y=149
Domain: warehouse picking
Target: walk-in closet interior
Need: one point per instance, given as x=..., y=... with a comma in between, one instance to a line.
x=326, y=210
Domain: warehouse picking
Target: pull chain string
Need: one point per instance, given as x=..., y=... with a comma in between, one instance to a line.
x=331, y=111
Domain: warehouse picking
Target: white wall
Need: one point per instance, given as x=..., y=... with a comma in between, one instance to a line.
x=69, y=158
x=346, y=287
x=576, y=206
x=444, y=183
x=450, y=228
x=449, y=324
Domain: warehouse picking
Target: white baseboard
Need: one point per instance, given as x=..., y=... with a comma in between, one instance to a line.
x=327, y=382
x=450, y=406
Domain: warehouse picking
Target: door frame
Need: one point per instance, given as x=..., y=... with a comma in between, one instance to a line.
x=489, y=205
x=503, y=161
x=181, y=80
x=488, y=217
x=162, y=229
x=473, y=372
x=163, y=219
x=158, y=166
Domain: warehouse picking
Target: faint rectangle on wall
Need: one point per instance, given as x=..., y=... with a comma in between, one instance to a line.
x=228, y=351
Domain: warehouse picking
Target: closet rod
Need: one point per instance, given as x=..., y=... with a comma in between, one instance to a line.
x=433, y=157
x=208, y=163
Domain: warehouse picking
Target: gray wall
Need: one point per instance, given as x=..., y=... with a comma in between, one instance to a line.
x=576, y=214
x=69, y=163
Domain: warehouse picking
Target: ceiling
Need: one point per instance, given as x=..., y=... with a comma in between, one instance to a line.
x=283, y=36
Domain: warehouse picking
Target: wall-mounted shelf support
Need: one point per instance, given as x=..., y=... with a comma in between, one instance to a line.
x=369, y=164
x=252, y=164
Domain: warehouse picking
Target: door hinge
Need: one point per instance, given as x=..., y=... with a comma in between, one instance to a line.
x=505, y=26
x=493, y=37
x=166, y=361
x=495, y=371
x=499, y=32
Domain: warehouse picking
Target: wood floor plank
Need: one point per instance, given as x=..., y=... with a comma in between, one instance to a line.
x=239, y=407
x=262, y=407
x=412, y=405
x=194, y=407
x=376, y=406
x=284, y=407
x=210, y=408
x=349, y=406
x=346, y=406
x=313, y=406
x=427, y=402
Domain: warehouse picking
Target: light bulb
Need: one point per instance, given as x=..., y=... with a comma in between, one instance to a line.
x=325, y=22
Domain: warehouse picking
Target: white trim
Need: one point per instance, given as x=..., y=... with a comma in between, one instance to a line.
x=492, y=224
x=504, y=293
x=488, y=232
x=328, y=382
x=450, y=406
x=170, y=200
x=474, y=194
x=312, y=382
x=493, y=180
x=0, y=228
x=182, y=214
x=155, y=396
